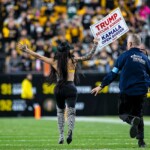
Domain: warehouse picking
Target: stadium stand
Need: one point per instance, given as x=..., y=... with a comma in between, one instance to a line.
x=42, y=24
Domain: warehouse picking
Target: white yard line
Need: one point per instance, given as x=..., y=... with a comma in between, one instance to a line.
x=96, y=119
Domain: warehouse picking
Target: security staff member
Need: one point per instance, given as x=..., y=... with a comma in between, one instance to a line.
x=134, y=83
x=27, y=92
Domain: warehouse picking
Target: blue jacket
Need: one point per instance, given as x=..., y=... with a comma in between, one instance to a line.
x=135, y=72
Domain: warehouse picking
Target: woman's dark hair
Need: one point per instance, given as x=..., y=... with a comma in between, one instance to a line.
x=62, y=55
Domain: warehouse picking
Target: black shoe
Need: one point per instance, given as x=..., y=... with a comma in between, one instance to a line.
x=134, y=127
x=69, y=138
x=61, y=140
x=141, y=143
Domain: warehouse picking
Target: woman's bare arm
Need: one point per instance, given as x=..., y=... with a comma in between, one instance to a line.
x=90, y=54
x=24, y=48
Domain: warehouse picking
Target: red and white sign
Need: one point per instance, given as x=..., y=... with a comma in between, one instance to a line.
x=109, y=28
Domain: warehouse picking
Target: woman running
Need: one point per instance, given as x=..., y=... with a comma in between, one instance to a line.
x=63, y=73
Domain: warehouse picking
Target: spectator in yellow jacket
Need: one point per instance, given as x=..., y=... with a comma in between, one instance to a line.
x=27, y=92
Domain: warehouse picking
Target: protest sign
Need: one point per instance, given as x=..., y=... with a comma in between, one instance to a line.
x=109, y=28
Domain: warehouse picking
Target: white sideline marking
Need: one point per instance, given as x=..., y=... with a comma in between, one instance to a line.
x=96, y=119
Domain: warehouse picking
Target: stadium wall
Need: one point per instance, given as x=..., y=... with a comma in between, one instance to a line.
x=106, y=103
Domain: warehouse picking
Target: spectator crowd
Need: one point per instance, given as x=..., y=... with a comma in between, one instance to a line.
x=42, y=24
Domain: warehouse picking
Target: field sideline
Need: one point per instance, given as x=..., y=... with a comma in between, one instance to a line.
x=91, y=133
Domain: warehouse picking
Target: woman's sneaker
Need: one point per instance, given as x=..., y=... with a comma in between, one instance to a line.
x=69, y=138
x=61, y=140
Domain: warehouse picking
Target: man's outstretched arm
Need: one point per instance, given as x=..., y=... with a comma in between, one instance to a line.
x=106, y=80
x=110, y=76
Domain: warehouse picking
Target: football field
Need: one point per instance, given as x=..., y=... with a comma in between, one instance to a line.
x=90, y=133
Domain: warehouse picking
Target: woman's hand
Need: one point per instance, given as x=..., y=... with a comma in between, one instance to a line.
x=96, y=90
x=96, y=40
x=22, y=47
x=90, y=54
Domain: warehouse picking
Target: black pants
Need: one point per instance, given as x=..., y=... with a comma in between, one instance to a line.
x=67, y=93
x=130, y=107
x=29, y=108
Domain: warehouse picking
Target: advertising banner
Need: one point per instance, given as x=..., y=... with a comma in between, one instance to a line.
x=11, y=103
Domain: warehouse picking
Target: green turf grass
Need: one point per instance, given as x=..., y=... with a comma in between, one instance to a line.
x=30, y=134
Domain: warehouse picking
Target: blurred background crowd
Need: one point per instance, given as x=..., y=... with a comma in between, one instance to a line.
x=42, y=24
